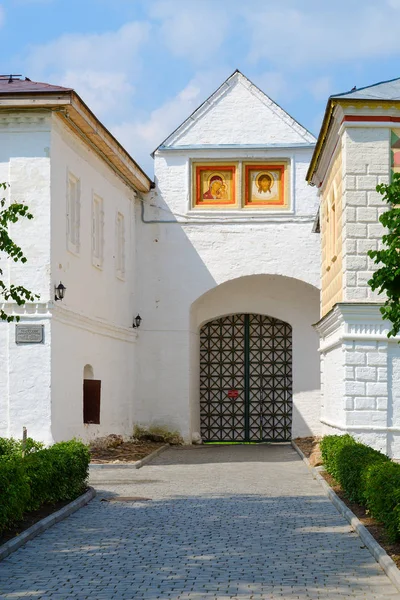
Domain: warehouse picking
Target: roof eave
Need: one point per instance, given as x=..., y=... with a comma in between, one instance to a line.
x=321, y=140
x=85, y=123
x=334, y=101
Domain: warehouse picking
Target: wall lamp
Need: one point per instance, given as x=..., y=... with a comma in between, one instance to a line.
x=137, y=321
x=59, y=291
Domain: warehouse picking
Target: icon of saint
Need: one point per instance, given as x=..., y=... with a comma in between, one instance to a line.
x=264, y=187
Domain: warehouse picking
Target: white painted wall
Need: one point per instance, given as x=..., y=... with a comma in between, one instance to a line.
x=361, y=382
x=25, y=394
x=93, y=324
x=239, y=113
x=41, y=385
x=366, y=162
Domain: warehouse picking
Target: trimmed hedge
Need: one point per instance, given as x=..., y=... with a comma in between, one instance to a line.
x=353, y=462
x=14, y=491
x=45, y=476
x=330, y=446
x=367, y=477
x=382, y=494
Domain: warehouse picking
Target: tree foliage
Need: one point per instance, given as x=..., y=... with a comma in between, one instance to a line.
x=8, y=215
x=387, y=278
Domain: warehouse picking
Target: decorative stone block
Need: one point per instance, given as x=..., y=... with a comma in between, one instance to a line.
x=366, y=403
x=365, y=373
x=376, y=389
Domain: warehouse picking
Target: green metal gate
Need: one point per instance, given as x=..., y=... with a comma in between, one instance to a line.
x=246, y=379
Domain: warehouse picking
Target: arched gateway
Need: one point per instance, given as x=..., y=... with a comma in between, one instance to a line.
x=246, y=379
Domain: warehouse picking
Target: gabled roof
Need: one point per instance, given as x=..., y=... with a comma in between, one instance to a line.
x=9, y=85
x=24, y=94
x=237, y=77
x=384, y=90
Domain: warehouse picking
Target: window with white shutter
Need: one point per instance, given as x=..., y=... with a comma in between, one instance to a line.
x=73, y=213
x=120, y=246
x=97, y=231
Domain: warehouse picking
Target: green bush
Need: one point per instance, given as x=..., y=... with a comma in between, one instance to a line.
x=331, y=446
x=353, y=462
x=58, y=473
x=382, y=494
x=14, y=491
x=49, y=475
x=12, y=447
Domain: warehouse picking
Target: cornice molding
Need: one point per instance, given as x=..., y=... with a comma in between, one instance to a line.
x=61, y=314
x=67, y=316
x=360, y=428
x=20, y=120
x=349, y=322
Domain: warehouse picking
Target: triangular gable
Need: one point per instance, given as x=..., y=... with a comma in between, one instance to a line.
x=384, y=90
x=238, y=113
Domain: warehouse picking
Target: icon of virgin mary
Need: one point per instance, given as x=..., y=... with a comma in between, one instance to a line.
x=215, y=188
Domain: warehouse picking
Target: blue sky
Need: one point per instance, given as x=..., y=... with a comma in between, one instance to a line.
x=144, y=65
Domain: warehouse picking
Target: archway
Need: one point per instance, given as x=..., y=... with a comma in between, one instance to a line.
x=246, y=379
x=294, y=302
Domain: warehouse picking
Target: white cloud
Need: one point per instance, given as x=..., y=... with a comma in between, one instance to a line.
x=192, y=30
x=100, y=67
x=102, y=91
x=143, y=134
x=275, y=85
x=290, y=37
x=321, y=87
x=108, y=51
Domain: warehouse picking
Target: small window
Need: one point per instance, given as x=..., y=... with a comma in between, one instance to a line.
x=73, y=213
x=97, y=231
x=120, y=246
x=332, y=227
x=91, y=401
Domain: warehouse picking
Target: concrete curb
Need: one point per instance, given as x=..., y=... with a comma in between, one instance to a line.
x=134, y=465
x=380, y=555
x=45, y=523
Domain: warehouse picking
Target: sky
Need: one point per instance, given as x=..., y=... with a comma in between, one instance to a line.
x=144, y=65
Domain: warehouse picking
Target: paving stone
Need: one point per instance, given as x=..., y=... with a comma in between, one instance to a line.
x=231, y=522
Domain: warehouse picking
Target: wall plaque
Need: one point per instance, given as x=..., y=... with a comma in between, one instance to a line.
x=29, y=334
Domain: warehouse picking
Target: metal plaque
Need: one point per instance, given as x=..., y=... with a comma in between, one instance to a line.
x=29, y=334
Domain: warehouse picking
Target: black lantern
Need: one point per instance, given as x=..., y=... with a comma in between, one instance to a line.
x=59, y=292
x=138, y=320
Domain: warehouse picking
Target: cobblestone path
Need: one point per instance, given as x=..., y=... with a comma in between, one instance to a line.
x=237, y=522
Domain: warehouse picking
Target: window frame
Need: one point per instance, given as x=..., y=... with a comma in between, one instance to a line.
x=73, y=213
x=120, y=246
x=97, y=231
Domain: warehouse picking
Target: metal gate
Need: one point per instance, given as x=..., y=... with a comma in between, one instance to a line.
x=246, y=379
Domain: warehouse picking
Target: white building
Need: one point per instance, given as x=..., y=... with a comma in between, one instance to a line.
x=358, y=147
x=80, y=185
x=221, y=258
